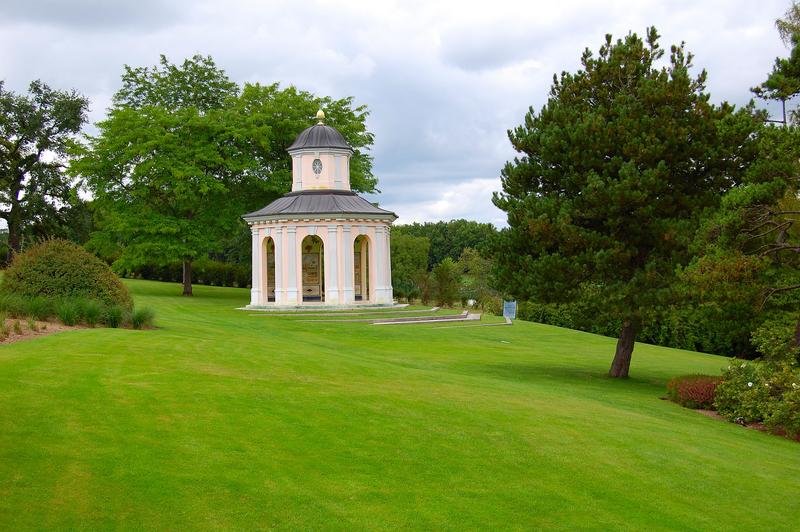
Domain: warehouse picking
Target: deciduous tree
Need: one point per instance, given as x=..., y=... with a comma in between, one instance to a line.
x=35, y=132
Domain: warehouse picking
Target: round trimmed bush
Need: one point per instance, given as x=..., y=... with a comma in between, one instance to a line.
x=58, y=269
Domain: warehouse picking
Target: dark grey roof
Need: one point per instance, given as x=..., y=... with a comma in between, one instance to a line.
x=319, y=136
x=319, y=202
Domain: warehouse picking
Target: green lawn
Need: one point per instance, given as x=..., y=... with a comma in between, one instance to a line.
x=220, y=419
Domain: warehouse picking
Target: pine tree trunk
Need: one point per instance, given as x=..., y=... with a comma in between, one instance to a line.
x=622, y=358
x=187, y=277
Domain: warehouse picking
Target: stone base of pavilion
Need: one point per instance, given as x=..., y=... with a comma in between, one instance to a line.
x=316, y=307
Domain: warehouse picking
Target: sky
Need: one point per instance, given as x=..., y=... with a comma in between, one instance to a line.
x=443, y=80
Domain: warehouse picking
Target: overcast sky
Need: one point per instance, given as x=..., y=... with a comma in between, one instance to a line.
x=444, y=80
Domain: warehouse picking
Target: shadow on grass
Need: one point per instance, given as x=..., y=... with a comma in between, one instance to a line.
x=565, y=374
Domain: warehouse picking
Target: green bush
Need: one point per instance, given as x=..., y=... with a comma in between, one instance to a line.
x=58, y=269
x=67, y=312
x=142, y=318
x=743, y=394
x=15, y=305
x=113, y=316
x=693, y=391
x=785, y=414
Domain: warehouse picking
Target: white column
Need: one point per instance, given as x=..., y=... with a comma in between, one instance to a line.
x=347, y=251
x=255, y=290
x=382, y=293
x=389, y=287
x=291, y=277
x=280, y=290
x=367, y=265
x=331, y=270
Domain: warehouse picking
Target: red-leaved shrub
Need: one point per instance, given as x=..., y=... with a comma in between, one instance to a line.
x=693, y=391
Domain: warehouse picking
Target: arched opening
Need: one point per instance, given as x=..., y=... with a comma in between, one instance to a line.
x=268, y=270
x=313, y=268
x=361, y=285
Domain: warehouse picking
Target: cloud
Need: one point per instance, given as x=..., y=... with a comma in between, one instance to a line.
x=93, y=15
x=444, y=80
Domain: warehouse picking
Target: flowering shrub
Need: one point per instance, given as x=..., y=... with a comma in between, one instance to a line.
x=743, y=394
x=693, y=391
x=785, y=414
x=761, y=392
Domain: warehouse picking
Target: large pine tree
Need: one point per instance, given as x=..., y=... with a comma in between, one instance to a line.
x=614, y=173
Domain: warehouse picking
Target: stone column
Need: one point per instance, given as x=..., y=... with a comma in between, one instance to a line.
x=381, y=258
x=389, y=287
x=280, y=284
x=347, y=256
x=291, y=265
x=255, y=290
x=367, y=265
x=331, y=270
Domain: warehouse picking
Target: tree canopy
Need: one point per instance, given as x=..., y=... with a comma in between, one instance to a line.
x=615, y=171
x=36, y=130
x=450, y=239
x=184, y=153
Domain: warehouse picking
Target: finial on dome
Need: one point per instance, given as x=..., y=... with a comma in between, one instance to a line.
x=320, y=116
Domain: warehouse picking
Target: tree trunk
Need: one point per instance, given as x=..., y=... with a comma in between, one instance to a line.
x=187, y=277
x=622, y=358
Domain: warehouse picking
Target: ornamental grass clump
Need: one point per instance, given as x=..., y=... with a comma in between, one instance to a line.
x=67, y=312
x=693, y=391
x=142, y=318
x=92, y=312
x=113, y=316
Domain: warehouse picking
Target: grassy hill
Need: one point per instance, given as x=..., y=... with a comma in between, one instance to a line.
x=221, y=419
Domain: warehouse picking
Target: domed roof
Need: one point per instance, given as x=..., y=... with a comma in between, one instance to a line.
x=319, y=136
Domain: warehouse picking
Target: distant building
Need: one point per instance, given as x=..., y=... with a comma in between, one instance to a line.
x=321, y=244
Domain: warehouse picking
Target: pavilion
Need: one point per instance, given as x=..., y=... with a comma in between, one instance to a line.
x=321, y=244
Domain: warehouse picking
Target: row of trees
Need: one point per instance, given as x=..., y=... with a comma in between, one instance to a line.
x=634, y=194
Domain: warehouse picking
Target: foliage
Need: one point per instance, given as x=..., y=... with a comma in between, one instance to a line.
x=113, y=316
x=693, y=391
x=142, y=318
x=449, y=239
x=60, y=269
x=784, y=414
x=204, y=271
x=783, y=83
x=615, y=171
x=92, y=312
x=68, y=311
x=447, y=280
x=409, y=261
x=184, y=153
x=35, y=132
x=476, y=277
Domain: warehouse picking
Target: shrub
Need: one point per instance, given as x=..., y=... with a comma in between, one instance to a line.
x=113, y=316
x=92, y=311
x=59, y=269
x=41, y=308
x=14, y=305
x=67, y=312
x=785, y=413
x=693, y=391
x=447, y=280
x=17, y=327
x=32, y=325
x=142, y=318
